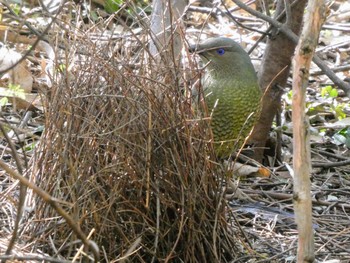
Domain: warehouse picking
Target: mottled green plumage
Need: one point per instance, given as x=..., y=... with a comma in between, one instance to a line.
x=231, y=92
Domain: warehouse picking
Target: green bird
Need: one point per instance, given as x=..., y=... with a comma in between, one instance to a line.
x=231, y=92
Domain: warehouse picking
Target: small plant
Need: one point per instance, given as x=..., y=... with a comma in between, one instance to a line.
x=342, y=137
x=112, y=6
x=338, y=110
x=335, y=107
x=16, y=8
x=329, y=92
x=12, y=91
x=3, y=101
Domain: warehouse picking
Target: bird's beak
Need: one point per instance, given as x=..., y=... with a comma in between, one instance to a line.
x=197, y=49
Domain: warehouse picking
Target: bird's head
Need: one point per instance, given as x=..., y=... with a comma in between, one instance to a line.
x=224, y=55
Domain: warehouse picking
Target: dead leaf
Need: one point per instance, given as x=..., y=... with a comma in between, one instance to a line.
x=20, y=74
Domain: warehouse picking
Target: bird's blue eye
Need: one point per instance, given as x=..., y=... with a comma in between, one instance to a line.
x=220, y=51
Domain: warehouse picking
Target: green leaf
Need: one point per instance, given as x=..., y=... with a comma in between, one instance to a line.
x=16, y=91
x=3, y=101
x=113, y=5
x=339, y=111
x=329, y=92
x=342, y=137
x=325, y=91
x=62, y=67
x=343, y=132
x=94, y=16
x=16, y=8
x=333, y=93
x=339, y=139
x=30, y=147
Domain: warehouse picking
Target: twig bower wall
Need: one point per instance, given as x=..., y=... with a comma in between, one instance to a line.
x=128, y=158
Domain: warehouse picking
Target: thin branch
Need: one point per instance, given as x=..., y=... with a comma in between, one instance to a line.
x=53, y=203
x=292, y=36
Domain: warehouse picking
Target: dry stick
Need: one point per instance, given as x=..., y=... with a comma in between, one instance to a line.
x=285, y=197
x=278, y=18
x=336, y=69
x=329, y=154
x=283, y=253
x=156, y=239
x=329, y=240
x=341, y=44
x=209, y=10
x=228, y=13
x=135, y=246
x=32, y=258
x=315, y=16
x=181, y=225
x=12, y=147
x=148, y=153
x=22, y=193
x=339, y=28
x=81, y=249
x=345, y=160
x=40, y=37
x=54, y=204
x=292, y=36
x=331, y=164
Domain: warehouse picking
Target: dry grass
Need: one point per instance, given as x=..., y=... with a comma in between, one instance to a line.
x=127, y=157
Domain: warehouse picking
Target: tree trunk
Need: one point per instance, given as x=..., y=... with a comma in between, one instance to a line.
x=273, y=74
